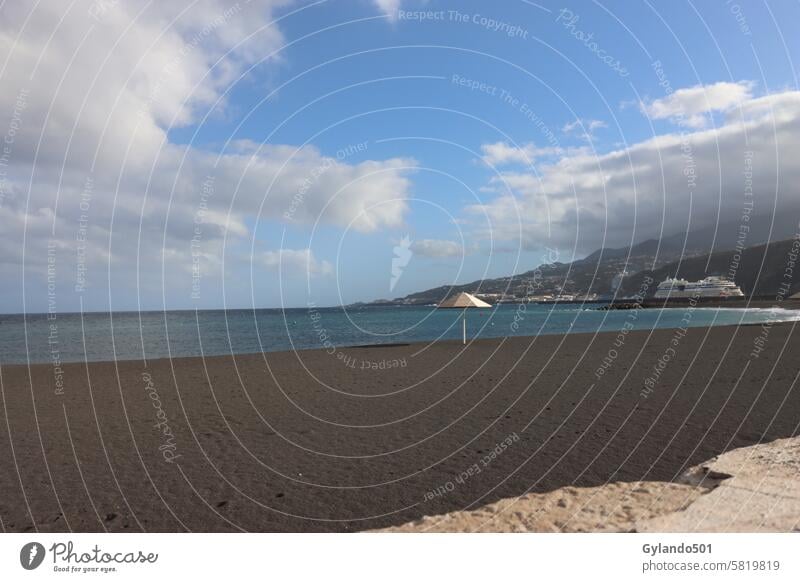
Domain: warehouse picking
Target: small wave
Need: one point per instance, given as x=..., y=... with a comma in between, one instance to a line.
x=764, y=314
x=752, y=309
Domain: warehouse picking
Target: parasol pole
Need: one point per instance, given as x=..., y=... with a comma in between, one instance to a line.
x=464, y=326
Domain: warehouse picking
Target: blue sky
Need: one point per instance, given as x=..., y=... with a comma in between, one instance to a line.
x=485, y=132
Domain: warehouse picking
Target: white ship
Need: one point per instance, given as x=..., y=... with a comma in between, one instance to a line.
x=714, y=286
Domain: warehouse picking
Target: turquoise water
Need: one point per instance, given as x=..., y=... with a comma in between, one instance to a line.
x=130, y=335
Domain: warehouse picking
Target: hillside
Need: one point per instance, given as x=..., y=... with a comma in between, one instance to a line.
x=691, y=255
x=759, y=270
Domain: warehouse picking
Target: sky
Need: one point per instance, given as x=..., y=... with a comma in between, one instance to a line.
x=278, y=153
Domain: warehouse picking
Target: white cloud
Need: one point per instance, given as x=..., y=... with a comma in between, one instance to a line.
x=690, y=107
x=585, y=128
x=388, y=7
x=676, y=182
x=502, y=153
x=125, y=72
x=435, y=248
x=293, y=262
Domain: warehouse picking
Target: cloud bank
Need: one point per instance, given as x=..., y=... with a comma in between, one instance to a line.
x=666, y=184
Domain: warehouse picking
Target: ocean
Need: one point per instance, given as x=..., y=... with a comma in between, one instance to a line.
x=74, y=337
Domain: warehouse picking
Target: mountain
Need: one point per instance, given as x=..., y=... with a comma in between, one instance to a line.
x=693, y=255
x=756, y=230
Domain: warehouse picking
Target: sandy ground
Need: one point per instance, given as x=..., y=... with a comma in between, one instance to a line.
x=615, y=507
x=752, y=489
x=761, y=493
x=350, y=441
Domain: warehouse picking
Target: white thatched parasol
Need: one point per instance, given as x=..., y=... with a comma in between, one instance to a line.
x=463, y=301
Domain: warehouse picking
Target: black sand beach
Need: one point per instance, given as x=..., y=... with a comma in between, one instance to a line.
x=373, y=437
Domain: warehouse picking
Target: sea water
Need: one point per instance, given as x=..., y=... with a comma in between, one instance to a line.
x=74, y=337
